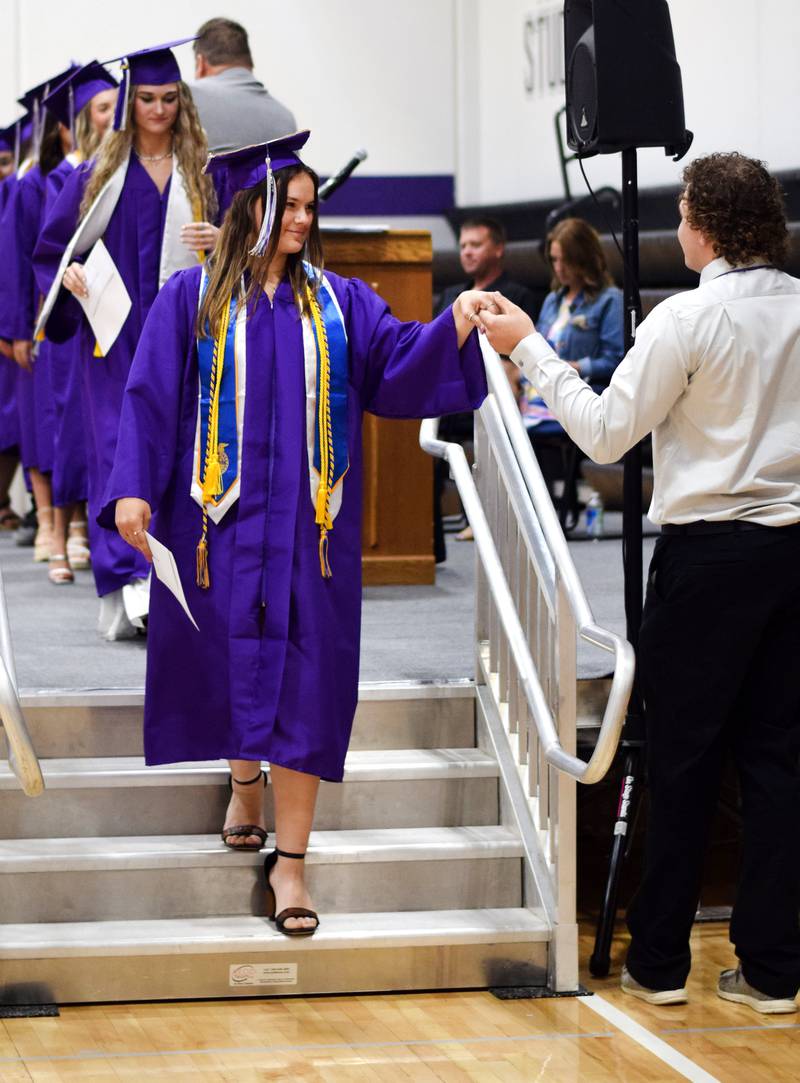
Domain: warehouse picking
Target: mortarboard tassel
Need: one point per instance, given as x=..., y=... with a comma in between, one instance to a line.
x=267, y=222
x=121, y=111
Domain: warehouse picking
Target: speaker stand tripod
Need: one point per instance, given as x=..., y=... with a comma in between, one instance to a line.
x=632, y=742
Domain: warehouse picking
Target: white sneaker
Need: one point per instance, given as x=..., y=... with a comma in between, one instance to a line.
x=136, y=599
x=732, y=986
x=113, y=623
x=631, y=986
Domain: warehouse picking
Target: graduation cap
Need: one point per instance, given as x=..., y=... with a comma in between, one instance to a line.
x=32, y=99
x=153, y=66
x=250, y=166
x=8, y=138
x=76, y=91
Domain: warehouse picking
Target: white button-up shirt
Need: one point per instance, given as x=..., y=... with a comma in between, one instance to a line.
x=715, y=376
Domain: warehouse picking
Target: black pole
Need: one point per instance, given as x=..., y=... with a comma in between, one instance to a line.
x=633, y=731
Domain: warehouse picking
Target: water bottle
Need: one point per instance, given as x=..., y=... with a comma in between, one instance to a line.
x=594, y=516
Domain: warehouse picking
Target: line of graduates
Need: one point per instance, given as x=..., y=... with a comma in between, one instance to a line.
x=72, y=153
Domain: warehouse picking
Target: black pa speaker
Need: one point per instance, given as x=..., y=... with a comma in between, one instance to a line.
x=624, y=84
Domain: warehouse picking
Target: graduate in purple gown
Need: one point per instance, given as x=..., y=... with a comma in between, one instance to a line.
x=84, y=103
x=245, y=444
x=140, y=193
x=9, y=418
x=19, y=303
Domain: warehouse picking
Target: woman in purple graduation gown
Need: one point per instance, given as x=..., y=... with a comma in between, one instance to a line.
x=140, y=193
x=9, y=419
x=84, y=103
x=245, y=443
x=19, y=302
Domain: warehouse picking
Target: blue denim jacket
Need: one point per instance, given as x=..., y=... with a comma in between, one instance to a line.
x=593, y=337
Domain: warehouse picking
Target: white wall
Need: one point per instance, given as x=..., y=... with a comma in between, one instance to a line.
x=741, y=84
x=438, y=86
x=371, y=73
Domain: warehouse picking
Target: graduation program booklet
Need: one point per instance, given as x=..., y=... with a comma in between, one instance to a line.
x=109, y=302
x=167, y=571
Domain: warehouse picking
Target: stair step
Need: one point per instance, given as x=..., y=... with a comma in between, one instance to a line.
x=97, y=879
x=390, y=714
x=116, y=796
x=206, y=851
x=368, y=765
x=86, y=962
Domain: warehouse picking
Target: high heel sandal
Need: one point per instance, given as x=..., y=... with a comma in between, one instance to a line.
x=78, y=546
x=244, y=829
x=44, y=536
x=60, y=577
x=290, y=911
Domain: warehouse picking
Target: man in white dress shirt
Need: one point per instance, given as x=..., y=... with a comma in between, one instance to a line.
x=715, y=376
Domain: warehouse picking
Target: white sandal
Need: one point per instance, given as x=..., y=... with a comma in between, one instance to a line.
x=44, y=537
x=60, y=577
x=78, y=547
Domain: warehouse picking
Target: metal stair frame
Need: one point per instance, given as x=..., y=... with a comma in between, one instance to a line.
x=530, y=610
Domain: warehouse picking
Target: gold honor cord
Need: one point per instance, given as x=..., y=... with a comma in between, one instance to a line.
x=211, y=480
x=326, y=458
x=197, y=211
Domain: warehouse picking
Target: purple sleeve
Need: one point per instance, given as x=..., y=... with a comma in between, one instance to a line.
x=151, y=407
x=20, y=228
x=59, y=224
x=407, y=370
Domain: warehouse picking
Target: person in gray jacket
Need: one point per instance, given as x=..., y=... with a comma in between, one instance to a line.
x=235, y=109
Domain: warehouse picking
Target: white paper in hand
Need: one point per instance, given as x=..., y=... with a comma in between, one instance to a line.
x=109, y=302
x=167, y=571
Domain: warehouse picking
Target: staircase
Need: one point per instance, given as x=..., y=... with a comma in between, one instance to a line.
x=115, y=885
x=445, y=860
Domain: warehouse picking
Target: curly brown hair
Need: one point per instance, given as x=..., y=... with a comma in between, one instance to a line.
x=581, y=250
x=739, y=207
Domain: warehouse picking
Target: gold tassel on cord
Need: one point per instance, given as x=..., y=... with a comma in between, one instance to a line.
x=324, y=565
x=212, y=468
x=326, y=459
x=202, y=564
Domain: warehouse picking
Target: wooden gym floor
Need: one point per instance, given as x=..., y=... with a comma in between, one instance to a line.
x=428, y=1037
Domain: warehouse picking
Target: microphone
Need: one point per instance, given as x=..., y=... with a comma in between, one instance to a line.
x=327, y=189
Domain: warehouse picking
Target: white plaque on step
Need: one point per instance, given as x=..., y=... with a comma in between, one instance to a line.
x=241, y=974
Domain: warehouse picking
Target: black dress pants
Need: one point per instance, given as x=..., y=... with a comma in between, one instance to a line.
x=720, y=669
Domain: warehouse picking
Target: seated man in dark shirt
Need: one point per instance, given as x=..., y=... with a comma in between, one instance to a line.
x=481, y=245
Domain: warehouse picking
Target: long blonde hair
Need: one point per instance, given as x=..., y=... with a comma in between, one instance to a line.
x=231, y=257
x=189, y=146
x=86, y=137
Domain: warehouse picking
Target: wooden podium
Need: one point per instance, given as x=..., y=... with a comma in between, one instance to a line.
x=397, y=528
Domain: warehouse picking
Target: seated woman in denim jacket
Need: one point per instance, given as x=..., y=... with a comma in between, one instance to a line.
x=581, y=317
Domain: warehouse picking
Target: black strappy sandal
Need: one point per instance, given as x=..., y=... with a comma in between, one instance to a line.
x=245, y=829
x=290, y=911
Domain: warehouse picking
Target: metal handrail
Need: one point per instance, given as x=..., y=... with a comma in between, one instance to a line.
x=21, y=754
x=504, y=424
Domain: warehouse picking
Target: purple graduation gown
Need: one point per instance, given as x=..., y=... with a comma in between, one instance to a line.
x=19, y=302
x=9, y=415
x=133, y=238
x=273, y=673
x=66, y=372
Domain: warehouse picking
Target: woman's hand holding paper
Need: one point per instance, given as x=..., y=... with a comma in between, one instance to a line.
x=74, y=280
x=132, y=517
